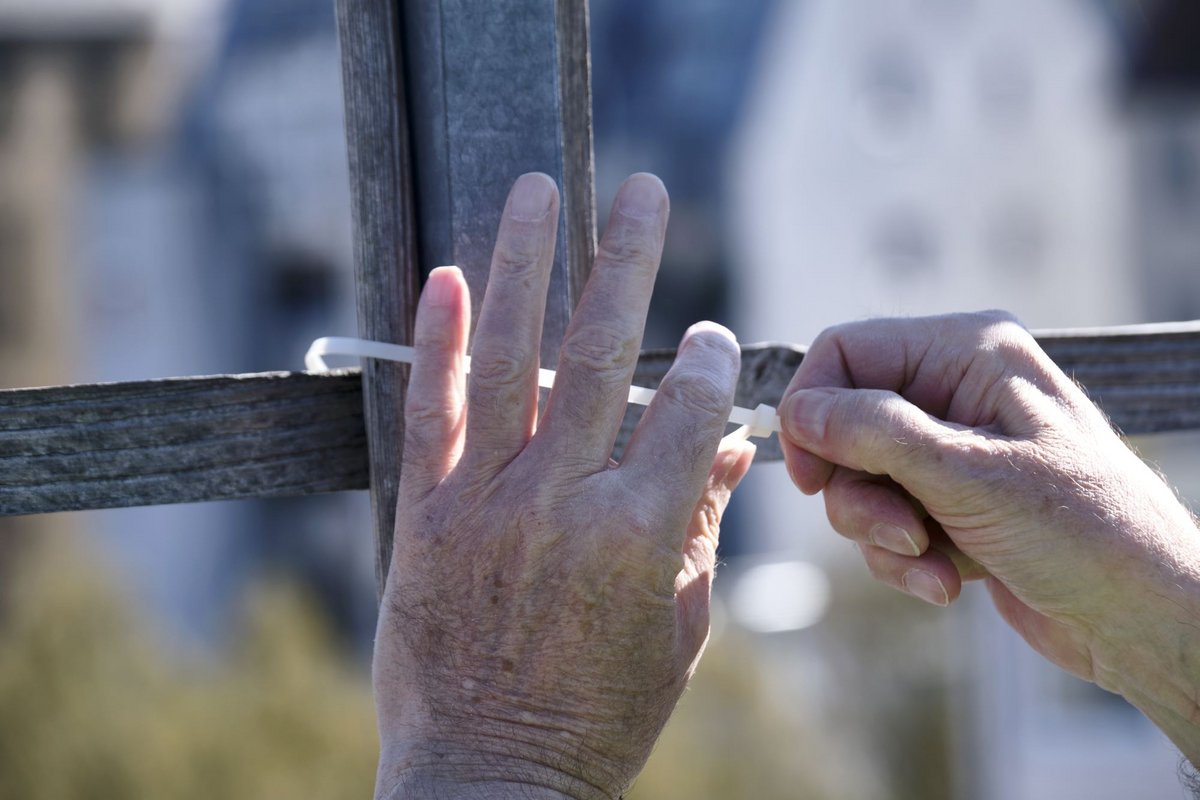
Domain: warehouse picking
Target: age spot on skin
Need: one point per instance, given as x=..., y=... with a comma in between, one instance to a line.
x=507, y=664
x=495, y=599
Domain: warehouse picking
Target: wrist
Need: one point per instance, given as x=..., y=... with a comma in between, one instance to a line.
x=419, y=785
x=483, y=768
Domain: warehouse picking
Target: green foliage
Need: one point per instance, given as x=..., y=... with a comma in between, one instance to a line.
x=854, y=708
x=91, y=708
x=734, y=736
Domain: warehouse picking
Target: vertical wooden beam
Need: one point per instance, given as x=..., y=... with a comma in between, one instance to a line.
x=385, y=252
x=499, y=89
x=483, y=92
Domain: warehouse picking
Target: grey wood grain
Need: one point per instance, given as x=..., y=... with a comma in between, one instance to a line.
x=179, y=440
x=497, y=90
x=385, y=234
x=447, y=102
x=279, y=434
x=1146, y=378
x=578, y=245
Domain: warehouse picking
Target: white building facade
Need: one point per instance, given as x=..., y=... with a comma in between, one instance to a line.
x=910, y=157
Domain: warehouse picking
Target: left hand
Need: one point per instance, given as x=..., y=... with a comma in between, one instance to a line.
x=545, y=607
x=952, y=447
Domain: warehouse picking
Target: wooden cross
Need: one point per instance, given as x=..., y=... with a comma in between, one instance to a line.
x=447, y=102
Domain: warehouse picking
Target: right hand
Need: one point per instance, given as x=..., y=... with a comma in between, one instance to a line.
x=952, y=447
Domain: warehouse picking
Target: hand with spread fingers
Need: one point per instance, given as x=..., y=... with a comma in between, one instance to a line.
x=951, y=448
x=545, y=607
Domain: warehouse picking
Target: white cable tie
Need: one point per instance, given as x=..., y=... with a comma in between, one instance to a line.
x=760, y=422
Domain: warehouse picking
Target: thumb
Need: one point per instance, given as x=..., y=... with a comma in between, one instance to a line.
x=732, y=462
x=693, y=585
x=881, y=433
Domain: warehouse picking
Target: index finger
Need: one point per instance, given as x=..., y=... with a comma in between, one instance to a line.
x=924, y=360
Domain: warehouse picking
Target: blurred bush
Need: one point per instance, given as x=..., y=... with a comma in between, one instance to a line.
x=94, y=705
x=734, y=736
x=97, y=704
x=855, y=707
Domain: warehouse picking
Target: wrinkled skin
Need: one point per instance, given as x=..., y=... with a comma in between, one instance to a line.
x=952, y=448
x=546, y=607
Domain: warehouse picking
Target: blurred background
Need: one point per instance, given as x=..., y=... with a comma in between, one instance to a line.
x=174, y=201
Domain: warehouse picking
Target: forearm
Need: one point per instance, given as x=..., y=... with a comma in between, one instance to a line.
x=1151, y=653
x=1162, y=679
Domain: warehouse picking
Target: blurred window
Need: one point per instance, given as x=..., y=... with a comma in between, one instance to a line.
x=302, y=283
x=1016, y=240
x=1179, y=170
x=906, y=245
x=8, y=79
x=14, y=299
x=1005, y=90
x=950, y=10
x=893, y=100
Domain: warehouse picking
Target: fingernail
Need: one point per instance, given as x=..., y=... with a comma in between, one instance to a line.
x=641, y=196
x=531, y=197
x=926, y=586
x=805, y=414
x=894, y=538
x=439, y=287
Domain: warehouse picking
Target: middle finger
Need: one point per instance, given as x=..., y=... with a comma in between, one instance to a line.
x=600, y=350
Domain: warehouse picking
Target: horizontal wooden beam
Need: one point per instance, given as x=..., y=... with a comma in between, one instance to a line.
x=1146, y=378
x=279, y=434
x=180, y=440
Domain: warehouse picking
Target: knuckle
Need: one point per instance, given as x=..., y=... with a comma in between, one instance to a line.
x=874, y=566
x=851, y=410
x=419, y=415
x=843, y=330
x=517, y=255
x=997, y=316
x=708, y=515
x=1013, y=347
x=629, y=243
x=891, y=437
x=992, y=328
x=600, y=349
x=422, y=435
x=837, y=512
x=1010, y=345
x=413, y=456
x=967, y=454
x=908, y=451
x=638, y=521
x=497, y=369
x=829, y=336
x=700, y=392
x=432, y=340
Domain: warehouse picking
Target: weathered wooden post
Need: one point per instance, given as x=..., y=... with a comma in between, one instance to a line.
x=447, y=102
